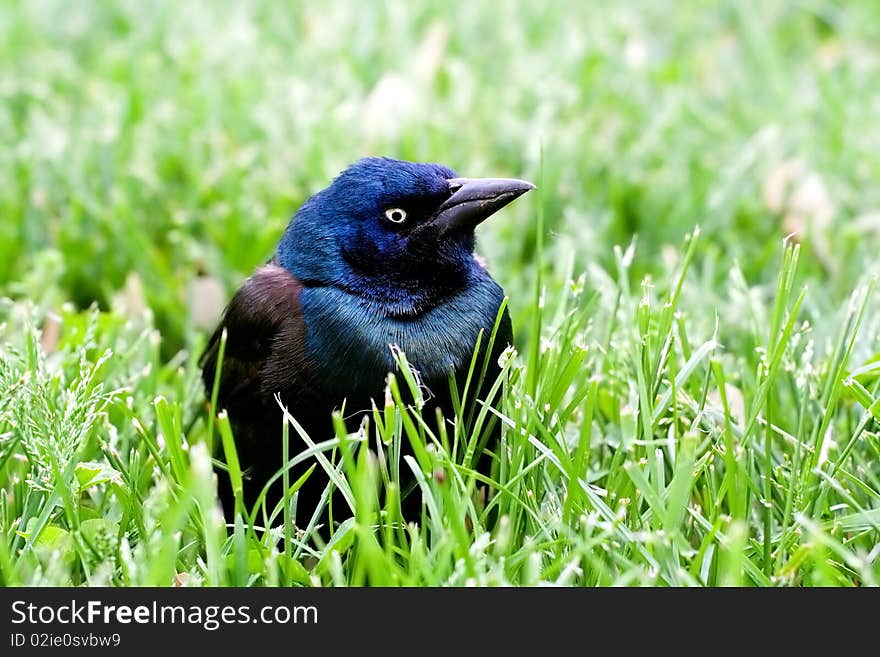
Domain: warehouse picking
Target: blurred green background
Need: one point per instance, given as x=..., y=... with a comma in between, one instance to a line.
x=152, y=152
x=679, y=412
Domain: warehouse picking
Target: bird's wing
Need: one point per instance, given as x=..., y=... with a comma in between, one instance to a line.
x=264, y=317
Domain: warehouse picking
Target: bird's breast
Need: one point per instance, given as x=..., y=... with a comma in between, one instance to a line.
x=349, y=339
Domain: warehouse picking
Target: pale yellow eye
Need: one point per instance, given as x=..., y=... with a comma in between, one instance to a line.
x=395, y=215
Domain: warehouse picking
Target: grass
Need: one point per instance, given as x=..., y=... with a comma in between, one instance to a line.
x=694, y=398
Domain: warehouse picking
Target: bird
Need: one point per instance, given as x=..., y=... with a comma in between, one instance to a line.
x=380, y=260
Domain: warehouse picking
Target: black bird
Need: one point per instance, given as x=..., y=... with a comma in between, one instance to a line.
x=383, y=256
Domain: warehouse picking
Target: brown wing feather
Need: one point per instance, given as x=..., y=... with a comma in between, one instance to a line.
x=265, y=310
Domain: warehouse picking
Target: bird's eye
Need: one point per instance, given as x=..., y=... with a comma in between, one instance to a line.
x=395, y=215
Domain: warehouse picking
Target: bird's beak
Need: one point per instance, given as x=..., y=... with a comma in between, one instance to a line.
x=475, y=199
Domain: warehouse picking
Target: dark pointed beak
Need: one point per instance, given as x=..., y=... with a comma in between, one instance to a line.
x=476, y=199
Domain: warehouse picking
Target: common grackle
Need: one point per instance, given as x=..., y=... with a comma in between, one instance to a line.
x=383, y=256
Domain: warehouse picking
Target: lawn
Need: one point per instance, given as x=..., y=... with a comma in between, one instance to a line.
x=694, y=397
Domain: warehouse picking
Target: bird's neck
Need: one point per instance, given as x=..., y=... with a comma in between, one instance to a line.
x=409, y=292
x=405, y=286
x=349, y=338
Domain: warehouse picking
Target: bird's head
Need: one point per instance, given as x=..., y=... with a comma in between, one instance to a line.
x=397, y=232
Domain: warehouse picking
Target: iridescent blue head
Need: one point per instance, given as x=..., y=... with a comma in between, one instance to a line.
x=395, y=232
